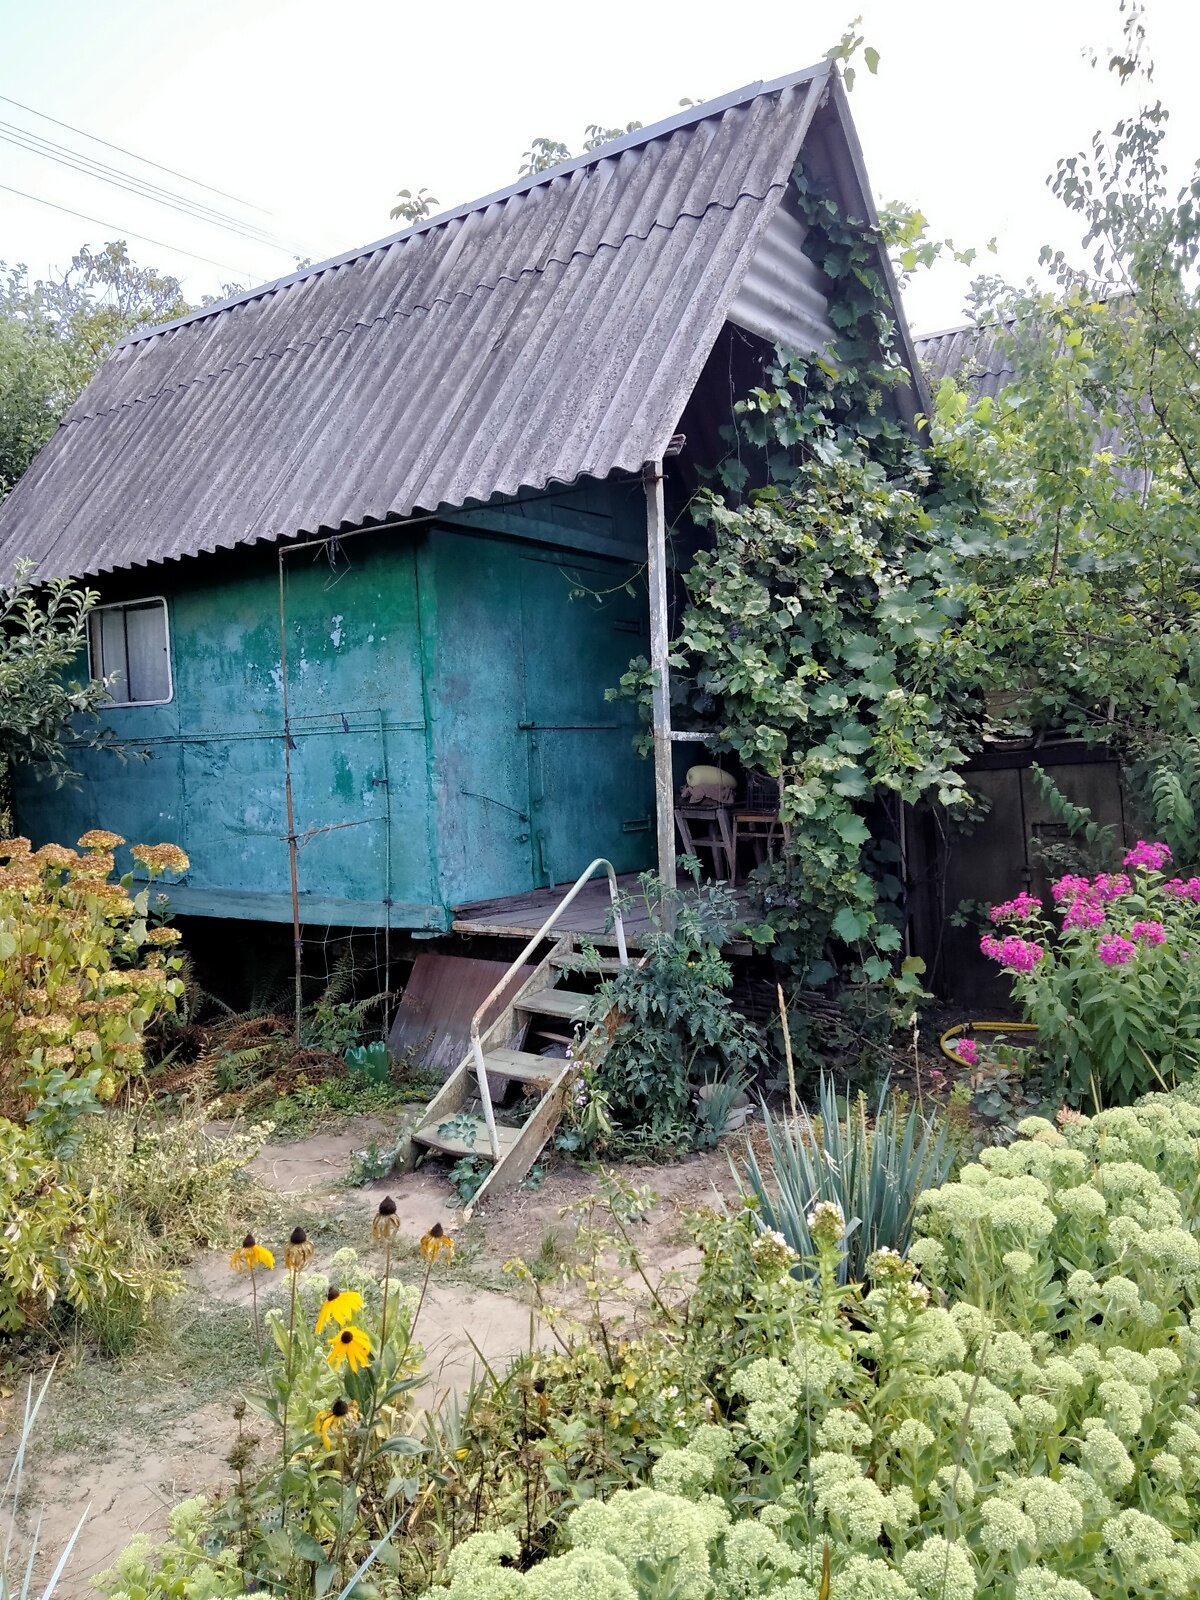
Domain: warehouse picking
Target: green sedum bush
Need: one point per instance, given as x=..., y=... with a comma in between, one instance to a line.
x=1006, y=1413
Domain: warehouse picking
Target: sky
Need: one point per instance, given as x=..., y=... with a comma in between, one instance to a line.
x=310, y=116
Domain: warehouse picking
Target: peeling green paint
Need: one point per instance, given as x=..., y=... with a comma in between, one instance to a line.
x=451, y=740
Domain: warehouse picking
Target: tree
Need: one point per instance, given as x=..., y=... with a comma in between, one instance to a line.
x=1083, y=586
x=55, y=333
x=43, y=632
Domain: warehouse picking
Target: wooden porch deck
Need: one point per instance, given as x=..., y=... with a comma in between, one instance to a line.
x=521, y=915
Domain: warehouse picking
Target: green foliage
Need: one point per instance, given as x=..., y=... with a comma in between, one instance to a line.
x=54, y=335
x=174, y=1184
x=821, y=642
x=1115, y=998
x=1007, y=1412
x=43, y=630
x=1081, y=591
x=412, y=207
x=874, y=1170
x=82, y=978
x=671, y=1024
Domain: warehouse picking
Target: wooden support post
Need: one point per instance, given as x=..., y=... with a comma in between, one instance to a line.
x=664, y=777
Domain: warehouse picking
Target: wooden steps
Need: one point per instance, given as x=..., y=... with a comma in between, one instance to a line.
x=523, y=1066
x=553, y=1003
x=472, y=1142
x=598, y=966
x=461, y=1103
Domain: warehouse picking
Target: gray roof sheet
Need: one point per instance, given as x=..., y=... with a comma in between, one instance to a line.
x=552, y=330
x=974, y=355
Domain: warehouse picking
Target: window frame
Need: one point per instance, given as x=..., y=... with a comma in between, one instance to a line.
x=93, y=640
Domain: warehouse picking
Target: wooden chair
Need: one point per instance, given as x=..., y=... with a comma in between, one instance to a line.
x=707, y=827
x=758, y=822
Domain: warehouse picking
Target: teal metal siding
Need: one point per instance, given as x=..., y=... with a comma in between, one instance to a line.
x=450, y=737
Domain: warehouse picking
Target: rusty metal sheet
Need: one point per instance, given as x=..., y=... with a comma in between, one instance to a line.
x=433, y=1023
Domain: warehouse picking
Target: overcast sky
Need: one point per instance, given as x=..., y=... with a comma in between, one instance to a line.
x=318, y=113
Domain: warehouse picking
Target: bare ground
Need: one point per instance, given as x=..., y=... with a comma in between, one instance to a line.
x=129, y=1439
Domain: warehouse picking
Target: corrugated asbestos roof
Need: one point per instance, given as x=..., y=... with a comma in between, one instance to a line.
x=553, y=330
x=975, y=356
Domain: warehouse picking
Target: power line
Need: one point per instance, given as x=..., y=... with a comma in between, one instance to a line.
x=121, y=150
x=79, y=162
x=127, y=232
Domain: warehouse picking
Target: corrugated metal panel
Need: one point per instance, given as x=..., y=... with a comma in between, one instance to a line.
x=782, y=297
x=978, y=358
x=975, y=356
x=554, y=331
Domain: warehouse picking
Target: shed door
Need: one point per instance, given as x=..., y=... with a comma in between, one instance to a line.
x=589, y=794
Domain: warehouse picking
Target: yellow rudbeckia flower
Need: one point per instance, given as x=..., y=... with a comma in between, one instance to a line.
x=342, y=1414
x=250, y=1255
x=435, y=1243
x=340, y=1306
x=351, y=1348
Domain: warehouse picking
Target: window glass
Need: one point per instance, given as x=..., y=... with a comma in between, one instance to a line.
x=129, y=643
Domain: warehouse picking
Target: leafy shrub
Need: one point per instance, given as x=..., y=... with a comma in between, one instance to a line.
x=57, y=1247
x=172, y=1179
x=874, y=1171
x=82, y=976
x=1007, y=1413
x=1115, y=989
x=672, y=1024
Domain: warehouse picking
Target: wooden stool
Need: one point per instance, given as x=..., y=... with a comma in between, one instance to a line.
x=717, y=835
x=764, y=829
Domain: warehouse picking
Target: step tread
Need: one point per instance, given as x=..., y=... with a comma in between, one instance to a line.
x=523, y=1064
x=580, y=963
x=451, y=1145
x=554, y=1003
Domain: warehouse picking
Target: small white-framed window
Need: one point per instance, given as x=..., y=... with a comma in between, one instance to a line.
x=130, y=644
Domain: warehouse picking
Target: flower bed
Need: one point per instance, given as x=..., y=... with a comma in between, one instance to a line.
x=1114, y=988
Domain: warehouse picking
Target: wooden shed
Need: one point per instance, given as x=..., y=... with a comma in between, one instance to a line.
x=373, y=541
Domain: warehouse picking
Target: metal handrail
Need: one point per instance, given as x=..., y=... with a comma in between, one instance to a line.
x=485, y=1094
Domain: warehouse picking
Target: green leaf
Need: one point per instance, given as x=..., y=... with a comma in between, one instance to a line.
x=851, y=925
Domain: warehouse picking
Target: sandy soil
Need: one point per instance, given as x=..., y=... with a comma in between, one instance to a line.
x=171, y=1438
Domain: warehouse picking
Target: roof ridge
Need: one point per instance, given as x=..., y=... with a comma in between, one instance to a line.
x=486, y=285
x=629, y=141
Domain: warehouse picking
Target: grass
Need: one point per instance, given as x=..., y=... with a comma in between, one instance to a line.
x=200, y=1355
x=318, y=1107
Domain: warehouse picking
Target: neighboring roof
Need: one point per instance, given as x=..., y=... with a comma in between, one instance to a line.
x=552, y=330
x=974, y=355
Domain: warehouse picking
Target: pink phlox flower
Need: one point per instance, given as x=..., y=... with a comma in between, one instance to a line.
x=967, y=1051
x=1013, y=952
x=1019, y=909
x=1152, y=856
x=1111, y=886
x=1148, y=932
x=1083, y=913
x=1180, y=890
x=1070, y=887
x=1115, y=951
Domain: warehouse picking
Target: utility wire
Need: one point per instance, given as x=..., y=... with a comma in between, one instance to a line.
x=128, y=232
x=137, y=186
x=103, y=169
x=121, y=150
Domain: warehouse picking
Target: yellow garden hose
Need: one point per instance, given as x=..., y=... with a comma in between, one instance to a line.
x=980, y=1027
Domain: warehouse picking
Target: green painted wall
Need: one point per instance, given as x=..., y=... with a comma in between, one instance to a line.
x=451, y=741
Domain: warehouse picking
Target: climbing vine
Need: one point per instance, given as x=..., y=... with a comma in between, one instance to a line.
x=821, y=640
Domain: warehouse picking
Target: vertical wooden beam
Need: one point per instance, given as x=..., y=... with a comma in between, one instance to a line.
x=664, y=777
